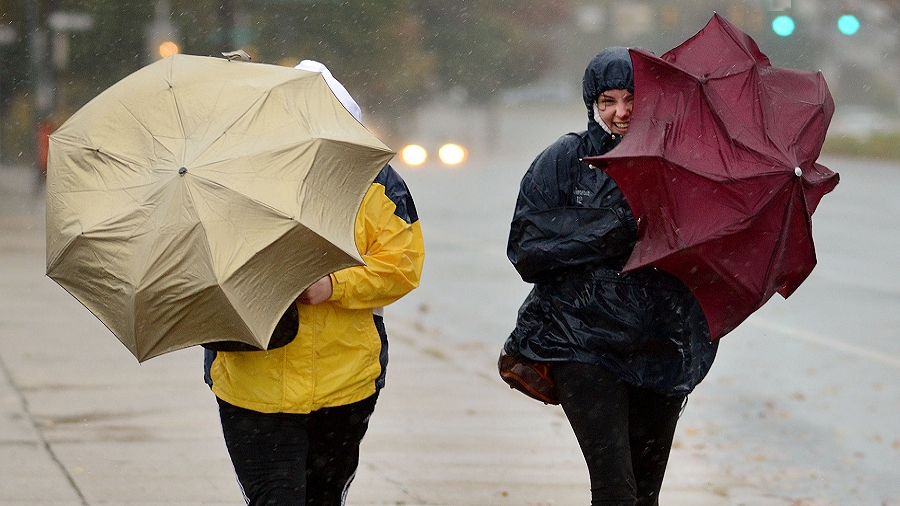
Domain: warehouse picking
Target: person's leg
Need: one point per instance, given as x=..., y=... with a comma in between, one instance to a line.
x=268, y=451
x=334, y=438
x=596, y=404
x=652, y=423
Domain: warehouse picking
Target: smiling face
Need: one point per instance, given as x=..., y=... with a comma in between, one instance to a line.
x=614, y=108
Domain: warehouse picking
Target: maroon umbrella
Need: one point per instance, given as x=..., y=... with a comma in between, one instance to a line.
x=719, y=168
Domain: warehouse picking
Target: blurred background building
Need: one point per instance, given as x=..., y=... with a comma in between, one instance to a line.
x=407, y=61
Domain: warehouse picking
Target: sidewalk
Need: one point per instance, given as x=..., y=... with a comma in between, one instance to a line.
x=82, y=423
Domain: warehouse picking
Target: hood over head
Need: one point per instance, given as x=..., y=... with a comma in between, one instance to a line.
x=336, y=87
x=611, y=69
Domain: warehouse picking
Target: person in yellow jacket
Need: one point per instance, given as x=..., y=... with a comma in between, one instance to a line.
x=293, y=417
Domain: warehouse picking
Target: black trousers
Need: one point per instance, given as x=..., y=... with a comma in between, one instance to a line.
x=286, y=459
x=625, y=432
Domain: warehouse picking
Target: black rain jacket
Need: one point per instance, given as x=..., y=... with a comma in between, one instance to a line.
x=571, y=234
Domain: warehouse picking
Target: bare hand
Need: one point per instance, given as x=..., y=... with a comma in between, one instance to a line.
x=318, y=292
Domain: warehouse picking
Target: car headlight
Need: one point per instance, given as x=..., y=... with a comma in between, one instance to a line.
x=452, y=154
x=413, y=154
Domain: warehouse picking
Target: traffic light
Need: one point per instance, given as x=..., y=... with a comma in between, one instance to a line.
x=783, y=25
x=848, y=24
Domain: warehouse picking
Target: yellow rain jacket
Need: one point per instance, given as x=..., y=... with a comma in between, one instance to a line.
x=340, y=352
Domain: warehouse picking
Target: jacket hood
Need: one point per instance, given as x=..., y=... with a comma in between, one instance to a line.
x=336, y=87
x=611, y=69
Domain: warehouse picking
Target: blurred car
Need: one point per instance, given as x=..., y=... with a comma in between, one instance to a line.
x=449, y=154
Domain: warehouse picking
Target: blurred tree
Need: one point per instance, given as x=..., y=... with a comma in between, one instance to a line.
x=391, y=54
x=112, y=49
x=13, y=78
x=372, y=47
x=13, y=49
x=206, y=27
x=485, y=46
x=893, y=6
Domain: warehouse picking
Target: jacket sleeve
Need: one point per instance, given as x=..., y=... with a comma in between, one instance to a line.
x=549, y=234
x=389, y=238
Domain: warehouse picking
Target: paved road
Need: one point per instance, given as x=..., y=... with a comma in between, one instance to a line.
x=800, y=408
x=804, y=399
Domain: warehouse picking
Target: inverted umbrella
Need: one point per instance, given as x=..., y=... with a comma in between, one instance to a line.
x=195, y=199
x=719, y=168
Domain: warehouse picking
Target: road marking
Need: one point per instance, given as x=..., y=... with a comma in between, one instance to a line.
x=812, y=337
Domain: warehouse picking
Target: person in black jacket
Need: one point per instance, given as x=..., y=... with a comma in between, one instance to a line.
x=624, y=350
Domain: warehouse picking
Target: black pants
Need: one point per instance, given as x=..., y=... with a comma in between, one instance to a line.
x=286, y=459
x=625, y=432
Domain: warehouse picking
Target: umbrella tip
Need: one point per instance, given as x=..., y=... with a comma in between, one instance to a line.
x=798, y=172
x=239, y=55
x=182, y=170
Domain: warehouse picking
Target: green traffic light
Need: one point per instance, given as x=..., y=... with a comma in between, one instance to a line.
x=848, y=24
x=783, y=25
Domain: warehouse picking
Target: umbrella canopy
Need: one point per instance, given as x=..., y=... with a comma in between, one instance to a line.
x=194, y=200
x=719, y=168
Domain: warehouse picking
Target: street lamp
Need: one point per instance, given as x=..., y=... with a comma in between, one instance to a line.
x=167, y=49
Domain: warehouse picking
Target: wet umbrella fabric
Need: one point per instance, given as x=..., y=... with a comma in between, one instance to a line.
x=719, y=168
x=194, y=200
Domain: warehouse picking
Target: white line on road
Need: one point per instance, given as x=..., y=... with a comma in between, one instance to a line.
x=811, y=337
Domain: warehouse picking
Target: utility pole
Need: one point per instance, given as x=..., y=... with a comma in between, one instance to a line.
x=42, y=95
x=226, y=24
x=162, y=37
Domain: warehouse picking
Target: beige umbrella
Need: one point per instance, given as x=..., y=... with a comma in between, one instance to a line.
x=193, y=201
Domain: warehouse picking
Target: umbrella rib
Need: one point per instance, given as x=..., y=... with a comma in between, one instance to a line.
x=144, y=127
x=809, y=122
x=671, y=202
x=709, y=91
x=253, y=107
x=117, y=156
x=705, y=97
x=224, y=218
x=169, y=81
x=740, y=44
x=781, y=237
x=782, y=150
x=717, y=236
x=50, y=272
x=757, y=156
